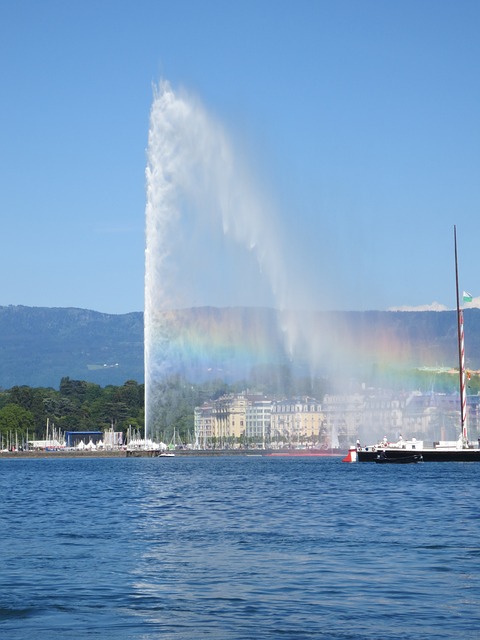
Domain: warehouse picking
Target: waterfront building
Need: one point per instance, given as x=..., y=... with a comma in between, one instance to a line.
x=233, y=420
x=248, y=419
x=344, y=417
x=229, y=414
x=436, y=416
x=257, y=420
x=473, y=416
x=297, y=422
x=204, y=425
x=425, y=416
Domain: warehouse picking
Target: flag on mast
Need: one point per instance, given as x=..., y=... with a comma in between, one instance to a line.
x=467, y=297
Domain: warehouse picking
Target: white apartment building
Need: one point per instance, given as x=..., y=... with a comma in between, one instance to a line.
x=204, y=425
x=257, y=420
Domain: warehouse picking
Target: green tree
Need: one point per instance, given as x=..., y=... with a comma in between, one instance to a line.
x=76, y=390
x=15, y=421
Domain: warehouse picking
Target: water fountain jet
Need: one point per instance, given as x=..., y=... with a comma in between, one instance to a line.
x=196, y=184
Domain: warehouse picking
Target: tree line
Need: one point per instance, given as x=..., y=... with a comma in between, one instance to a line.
x=85, y=406
x=78, y=405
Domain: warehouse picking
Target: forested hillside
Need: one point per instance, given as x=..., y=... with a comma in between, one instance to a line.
x=40, y=346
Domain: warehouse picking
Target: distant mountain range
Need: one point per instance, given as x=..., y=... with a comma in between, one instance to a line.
x=39, y=346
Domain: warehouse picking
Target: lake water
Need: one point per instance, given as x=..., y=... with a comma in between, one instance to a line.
x=238, y=548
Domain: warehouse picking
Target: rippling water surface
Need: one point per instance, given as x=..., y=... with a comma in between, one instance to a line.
x=238, y=548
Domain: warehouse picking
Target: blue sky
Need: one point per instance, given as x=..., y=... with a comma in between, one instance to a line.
x=361, y=120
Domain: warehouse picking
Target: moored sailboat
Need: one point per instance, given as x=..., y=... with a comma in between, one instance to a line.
x=460, y=450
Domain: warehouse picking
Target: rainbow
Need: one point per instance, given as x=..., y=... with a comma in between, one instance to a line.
x=229, y=342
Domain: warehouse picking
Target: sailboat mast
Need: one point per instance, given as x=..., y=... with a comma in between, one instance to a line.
x=461, y=350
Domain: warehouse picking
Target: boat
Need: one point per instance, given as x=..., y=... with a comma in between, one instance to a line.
x=461, y=450
x=438, y=452
x=146, y=448
x=383, y=458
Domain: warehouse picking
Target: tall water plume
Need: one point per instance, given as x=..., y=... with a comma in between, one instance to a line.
x=198, y=190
